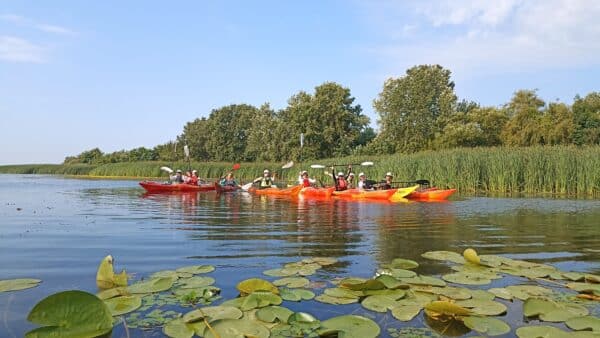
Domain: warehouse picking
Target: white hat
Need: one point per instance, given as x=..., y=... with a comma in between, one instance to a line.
x=389, y=174
x=304, y=172
x=340, y=174
x=266, y=171
x=351, y=174
x=179, y=171
x=194, y=171
x=361, y=174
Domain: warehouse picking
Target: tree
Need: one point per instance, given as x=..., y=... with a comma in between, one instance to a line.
x=92, y=156
x=586, y=113
x=195, y=135
x=412, y=108
x=262, y=142
x=525, y=113
x=168, y=152
x=227, y=132
x=558, y=124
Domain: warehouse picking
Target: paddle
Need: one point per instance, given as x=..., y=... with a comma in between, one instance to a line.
x=166, y=169
x=186, y=151
x=420, y=182
x=285, y=166
x=320, y=166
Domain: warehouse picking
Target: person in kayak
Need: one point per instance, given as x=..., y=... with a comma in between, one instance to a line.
x=341, y=181
x=350, y=180
x=229, y=181
x=177, y=178
x=387, y=183
x=363, y=183
x=305, y=181
x=194, y=178
x=187, y=176
x=266, y=181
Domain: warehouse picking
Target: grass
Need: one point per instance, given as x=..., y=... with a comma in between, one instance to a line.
x=560, y=170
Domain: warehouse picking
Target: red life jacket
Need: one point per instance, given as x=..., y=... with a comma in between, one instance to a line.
x=341, y=184
x=306, y=182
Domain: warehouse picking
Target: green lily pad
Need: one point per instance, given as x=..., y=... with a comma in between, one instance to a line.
x=371, y=284
x=501, y=293
x=406, y=313
x=272, y=314
x=584, y=287
x=393, y=293
x=543, y=331
x=584, y=323
x=18, y=284
x=256, y=284
x=401, y=263
x=236, y=328
x=335, y=300
x=350, y=326
x=523, y=292
x=212, y=313
x=396, y=273
x=467, y=278
x=177, y=328
x=573, y=276
x=444, y=256
x=296, y=295
x=123, y=304
x=166, y=273
x=491, y=260
x=481, y=294
x=550, y=311
x=483, y=307
x=322, y=260
x=379, y=303
x=592, y=278
x=151, y=285
x=486, y=325
x=70, y=314
x=389, y=282
x=196, y=269
x=424, y=280
x=196, y=282
x=292, y=282
x=343, y=293
x=254, y=300
x=111, y=293
x=446, y=308
x=280, y=272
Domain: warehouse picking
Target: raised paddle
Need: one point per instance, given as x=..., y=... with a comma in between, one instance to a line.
x=166, y=169
x=186, y=151
x=320, y=166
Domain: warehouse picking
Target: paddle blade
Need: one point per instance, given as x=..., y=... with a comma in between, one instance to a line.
x=167, y=169
x=186, y=150
x=317, y=166
x=366, y=163
x=247, y=186
x=288, y=165
x=236, y=166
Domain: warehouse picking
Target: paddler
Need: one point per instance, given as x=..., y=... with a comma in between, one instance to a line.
x=229, y=181
x=386, y=184
x=305, y=181
x=266, y=181
x=178, y=177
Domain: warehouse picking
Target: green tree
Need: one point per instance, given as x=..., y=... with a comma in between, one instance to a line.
x=227, y=132
x=475, y=127
x=195, y=135
x=92, y=156
x=412, y=109
x=262, y=142
x=168, y=152
x=586, y=113
x=525, y=113
x=558, y=124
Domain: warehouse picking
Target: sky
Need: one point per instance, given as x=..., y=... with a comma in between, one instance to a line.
x=75, y=75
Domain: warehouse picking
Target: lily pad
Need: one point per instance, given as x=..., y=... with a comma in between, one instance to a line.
x=166, y=273
x=280, y=272
x=196, y=282
x=584, y=287
x=393, y=293
x=236, y=328
x=256, y=284
x=584, y=323
x=335, y=300
x=379, y=303
x=292, y=282
x=18, y=284
x=483, y=307
x=501, y=293
x=371, y=284
x=254, y=300
x=323, y=260
x=212, y=313
x=482, y=294
x=444, y=256
x=177, y=328
x=486, y=325
x=389, y=282
x=70, y=313
x=523, y=292
x=196, y=269
x=446, y=308
x=350, y=326
x=406, y=313
x=401, y=263
x=467, y=278
x=424, y=280
x=551, y=311
x=542, y=331
x=343, y=293
x=106, y=277
x=123, y=304
x=296, y=295
x=151, y=285
x=272, y=314
x=111, y=293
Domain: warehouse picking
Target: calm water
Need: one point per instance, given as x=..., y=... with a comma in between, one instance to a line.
x=58, y=230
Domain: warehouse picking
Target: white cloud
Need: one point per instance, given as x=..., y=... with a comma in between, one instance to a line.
x=55, y=29
x=15, y=49
x=479, y=36
x=23, y=21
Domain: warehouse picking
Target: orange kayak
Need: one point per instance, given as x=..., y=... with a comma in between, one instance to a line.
x=365, y=194
x=316, y=192
x=431, y=194
x=156, y=187
x=277, y=191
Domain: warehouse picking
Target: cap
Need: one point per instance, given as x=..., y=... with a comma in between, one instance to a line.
x=361, y=174
x=351, y=174
x=266, y=171
x=194, y=171
x=179, y=171
x=389, y=174
x=304, y=172
x=340, y=174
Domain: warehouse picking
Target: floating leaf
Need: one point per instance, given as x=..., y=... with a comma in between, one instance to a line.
x=371, y=284
x=401, y=263
x=552, y=311
x=350, y=326
x=447, y=308
x=197, y=282
x=70, y=313
x=296, y=295
x=151, y=285
x=424, y=280
x=123, y=304
x=406, y=313
x=573, y=276
x=584, y=323
x=379, y=303
x=542, y=331
x=396, y=294
x=523, y=292
x=256, y=284
x=343, y=293
x=444, y=256
x=254, y=300
x=482, y=294
x=324, y=260
x=486, y=325
x=272, y=314
x=483, y=307
x=335, y=300
x=471, y=256
x=389, y=282
x=196, y=269
x=467, y=278
x=584, y=287
x=280, y=272
x=212, y=313
x=292, y=282
x=236, y=328
x=106, y=277
x=177, y=328
x=18, y=284
x=166, y=273
x=501, y=293
x=592, y=278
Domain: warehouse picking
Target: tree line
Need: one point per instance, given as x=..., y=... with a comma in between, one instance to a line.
x=417, y=111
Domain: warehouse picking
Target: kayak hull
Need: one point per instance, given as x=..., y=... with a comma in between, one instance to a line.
x=158, y=187
x=431, y=194
x=365, y=194
x=293, y=191
x=401, y=193
x=317, y=192
x=224, y=188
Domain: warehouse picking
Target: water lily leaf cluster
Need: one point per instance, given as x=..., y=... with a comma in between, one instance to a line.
x=305, y=267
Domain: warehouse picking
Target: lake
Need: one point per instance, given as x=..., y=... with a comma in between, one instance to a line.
x=58, y=230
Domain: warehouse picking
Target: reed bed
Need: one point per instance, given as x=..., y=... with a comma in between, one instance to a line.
x=559, y=170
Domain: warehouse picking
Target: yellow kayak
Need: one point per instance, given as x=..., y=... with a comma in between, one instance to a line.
x=399, y=195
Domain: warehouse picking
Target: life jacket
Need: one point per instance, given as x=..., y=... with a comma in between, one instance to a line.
x=305, y=182
x=193, y=180
x=341, y=184
x=266, y=182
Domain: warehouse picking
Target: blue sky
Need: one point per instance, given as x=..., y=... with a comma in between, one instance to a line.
x=118, y=75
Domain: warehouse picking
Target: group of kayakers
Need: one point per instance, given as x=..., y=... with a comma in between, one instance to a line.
x=342, y=181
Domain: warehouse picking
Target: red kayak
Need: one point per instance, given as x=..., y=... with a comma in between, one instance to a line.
x=225, y=188
x=293, y=191
x=431, y=194
x=170, y=187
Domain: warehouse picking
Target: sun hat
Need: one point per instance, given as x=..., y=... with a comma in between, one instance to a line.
x=361, y=174
x=194, y=171
x=179, y=171
x=266, y=171
x=351, y=174
x=389, y=174
x=340, y=174
x=304, y=172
